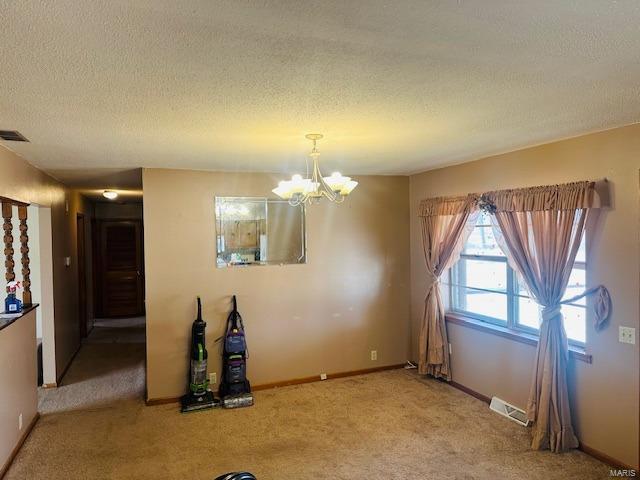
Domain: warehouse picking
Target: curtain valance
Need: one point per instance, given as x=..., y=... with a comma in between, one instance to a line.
x=437, y=206
x=568, y=196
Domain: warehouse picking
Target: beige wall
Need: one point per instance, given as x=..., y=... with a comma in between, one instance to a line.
x=326, y=316
x=46, y=311
x=65, y=279
x=605, y=393
x=18, y=377
x=21, y=181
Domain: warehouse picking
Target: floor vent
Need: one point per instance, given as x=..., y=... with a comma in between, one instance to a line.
x=507, y=410
x=12, y=136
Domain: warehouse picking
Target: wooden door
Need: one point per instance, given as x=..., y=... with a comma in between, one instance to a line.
x=120, y=268
x=82, y=275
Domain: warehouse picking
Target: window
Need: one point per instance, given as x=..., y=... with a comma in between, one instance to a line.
x=485, y=287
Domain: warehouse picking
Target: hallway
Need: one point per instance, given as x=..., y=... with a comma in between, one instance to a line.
x=108, y=368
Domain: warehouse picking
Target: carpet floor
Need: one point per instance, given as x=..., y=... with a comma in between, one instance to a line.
x=387, y=425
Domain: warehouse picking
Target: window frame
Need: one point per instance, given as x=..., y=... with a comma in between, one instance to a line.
x=512, y=293
x=455, y=298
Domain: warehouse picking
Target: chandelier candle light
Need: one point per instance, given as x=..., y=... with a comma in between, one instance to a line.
x=300, y=190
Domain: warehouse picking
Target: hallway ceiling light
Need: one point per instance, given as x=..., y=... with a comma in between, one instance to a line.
x=110, y=194
x=300, y=190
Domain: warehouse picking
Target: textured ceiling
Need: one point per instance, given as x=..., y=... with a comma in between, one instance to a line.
x=395, y=86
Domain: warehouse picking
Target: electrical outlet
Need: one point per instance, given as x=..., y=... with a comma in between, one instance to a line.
x=323, y=376
x=627, y=335
x=213, y=378
x=374, y=355
x=20, y=422
x=449, y=349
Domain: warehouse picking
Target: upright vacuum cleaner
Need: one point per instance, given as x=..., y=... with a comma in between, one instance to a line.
x=199, y=396
x=235, y=389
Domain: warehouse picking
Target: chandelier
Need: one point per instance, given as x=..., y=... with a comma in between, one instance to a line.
x=300, y=190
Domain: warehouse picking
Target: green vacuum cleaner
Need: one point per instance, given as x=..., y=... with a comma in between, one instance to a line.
x=199, y=396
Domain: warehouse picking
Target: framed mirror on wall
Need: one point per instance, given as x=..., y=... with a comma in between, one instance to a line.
x=259, y=231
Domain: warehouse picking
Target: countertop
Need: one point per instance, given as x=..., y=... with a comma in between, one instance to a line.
x=5, y=322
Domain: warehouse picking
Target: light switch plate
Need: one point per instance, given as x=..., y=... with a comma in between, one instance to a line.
x=627, y=335
x=374, y=355
x=213, y=378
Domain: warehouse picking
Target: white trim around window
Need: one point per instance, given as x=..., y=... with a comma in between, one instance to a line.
x=483, y=286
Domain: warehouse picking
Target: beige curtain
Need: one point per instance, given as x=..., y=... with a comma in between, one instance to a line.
x=542, y=228
x=446, y=224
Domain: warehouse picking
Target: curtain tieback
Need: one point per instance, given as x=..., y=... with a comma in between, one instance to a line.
x=432, y=281
x=550, y=311
x=601, y=305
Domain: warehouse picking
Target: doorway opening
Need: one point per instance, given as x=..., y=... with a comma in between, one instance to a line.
x=29, y=263
x=110, y=365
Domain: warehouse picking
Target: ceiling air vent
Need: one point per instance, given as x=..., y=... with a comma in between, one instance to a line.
x=12, y=136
